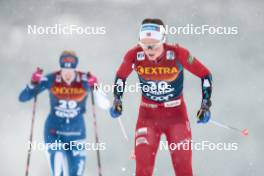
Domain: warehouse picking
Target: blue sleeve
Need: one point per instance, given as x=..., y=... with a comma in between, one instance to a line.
x=31, y=91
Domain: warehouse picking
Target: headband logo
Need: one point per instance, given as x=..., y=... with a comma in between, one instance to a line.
x=69, y=60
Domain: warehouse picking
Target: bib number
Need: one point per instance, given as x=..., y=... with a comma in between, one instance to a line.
x=157, y=91
x=67, y=104
x=67, y=109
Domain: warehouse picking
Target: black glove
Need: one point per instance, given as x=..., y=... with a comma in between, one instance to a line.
x=204, y=113
x=117, y=108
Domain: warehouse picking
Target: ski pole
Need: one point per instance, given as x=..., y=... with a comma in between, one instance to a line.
x=96, y=135
x=103, y=102
x=31, y=135
x=122, y=129
x=244, y=132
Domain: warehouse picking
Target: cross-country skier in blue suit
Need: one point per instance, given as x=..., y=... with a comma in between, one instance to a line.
x=64, y=132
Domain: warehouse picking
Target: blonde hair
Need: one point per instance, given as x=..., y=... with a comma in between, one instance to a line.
x=69, y=52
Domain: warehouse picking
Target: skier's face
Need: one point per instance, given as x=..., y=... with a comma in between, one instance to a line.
x=68, y=74
x=153, y=48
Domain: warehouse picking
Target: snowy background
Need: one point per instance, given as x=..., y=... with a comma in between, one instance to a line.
x=235, y=60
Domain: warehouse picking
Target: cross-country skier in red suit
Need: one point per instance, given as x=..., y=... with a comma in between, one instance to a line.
x=160, y=68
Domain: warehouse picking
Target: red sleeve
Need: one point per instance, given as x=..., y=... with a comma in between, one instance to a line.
x=127, y=65
x=191, y=63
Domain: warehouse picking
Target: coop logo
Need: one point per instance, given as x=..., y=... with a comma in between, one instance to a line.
x=156, y=70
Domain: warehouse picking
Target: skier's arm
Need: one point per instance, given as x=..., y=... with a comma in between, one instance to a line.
x=122, y=73
x=193, y=65
x=120, y=81
x=197, y=68
x=33, y=90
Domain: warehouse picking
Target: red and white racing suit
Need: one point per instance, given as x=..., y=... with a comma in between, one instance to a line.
x=162, y=109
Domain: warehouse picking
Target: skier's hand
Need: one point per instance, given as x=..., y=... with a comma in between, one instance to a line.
x=204, y=113
x=117, y=108
x=36, y=76
x=92, y=80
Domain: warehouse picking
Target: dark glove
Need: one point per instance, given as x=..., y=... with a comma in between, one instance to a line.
x=204, y=113
x=116, y=109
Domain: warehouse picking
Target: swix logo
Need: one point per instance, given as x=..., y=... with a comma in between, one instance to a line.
x=156, y=70
x=148, y=34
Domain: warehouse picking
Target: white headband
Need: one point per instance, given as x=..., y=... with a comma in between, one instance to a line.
x=152, y=31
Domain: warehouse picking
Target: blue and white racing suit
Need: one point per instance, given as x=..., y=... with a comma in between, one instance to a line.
x=64, y=132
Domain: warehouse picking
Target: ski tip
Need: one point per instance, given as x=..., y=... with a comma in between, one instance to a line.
x=245, y=132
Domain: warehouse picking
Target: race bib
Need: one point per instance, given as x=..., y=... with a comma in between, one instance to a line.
x=67, y=109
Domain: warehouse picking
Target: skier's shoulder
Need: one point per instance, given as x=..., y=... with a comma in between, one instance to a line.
x=134, y=49
x=49, y=76
x=132, y=52
x=177, y=48
x=82, y=75
x=181, y=53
